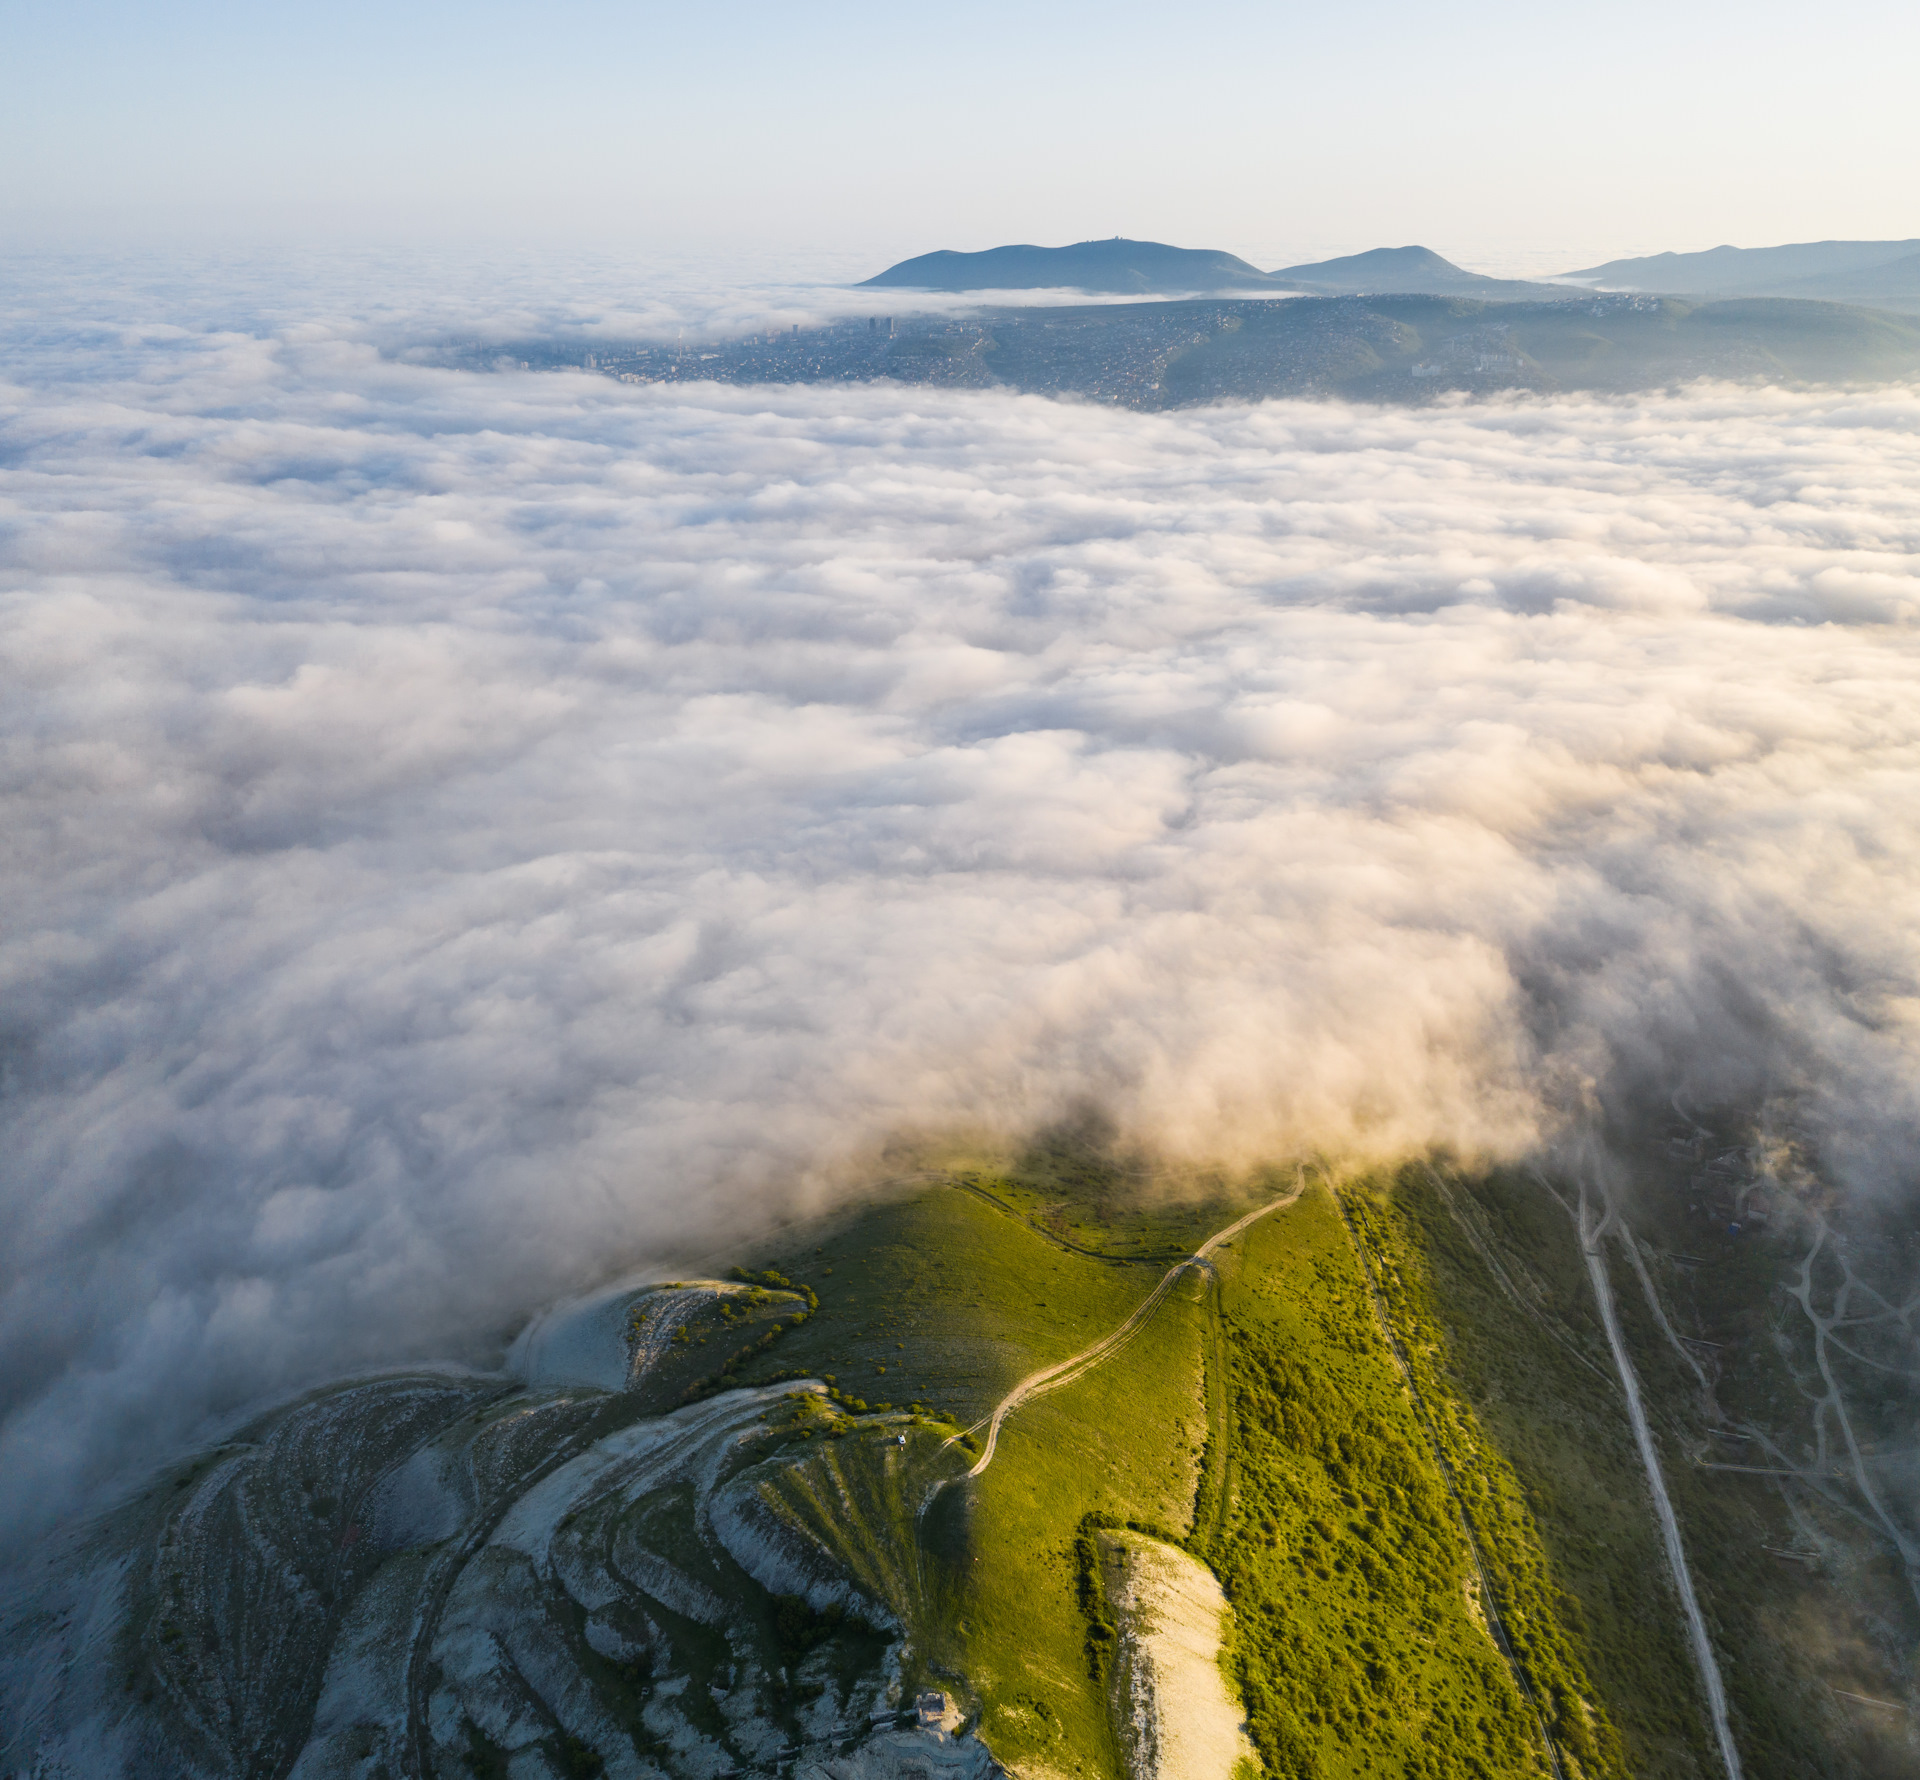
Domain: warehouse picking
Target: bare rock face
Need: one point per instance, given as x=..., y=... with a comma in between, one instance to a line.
x=908, y=1755
x=432, y=1571
x=1176, y=1719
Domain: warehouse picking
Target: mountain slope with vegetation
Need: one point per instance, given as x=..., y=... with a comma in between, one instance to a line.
x=1382, y=1414
x=1137, y=268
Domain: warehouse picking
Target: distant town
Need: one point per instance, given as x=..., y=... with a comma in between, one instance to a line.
x=1117, y=355
x=1167, y=354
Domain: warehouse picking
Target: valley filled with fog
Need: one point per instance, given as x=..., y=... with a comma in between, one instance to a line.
x=471, y=833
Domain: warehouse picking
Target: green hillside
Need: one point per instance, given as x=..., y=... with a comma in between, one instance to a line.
x=1383, y=1418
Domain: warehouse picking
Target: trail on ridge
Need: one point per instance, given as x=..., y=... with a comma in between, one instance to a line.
x=1050, y=1378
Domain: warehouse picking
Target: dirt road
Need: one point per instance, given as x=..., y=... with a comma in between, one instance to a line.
x=1591, y=1236
x=1051, y=1378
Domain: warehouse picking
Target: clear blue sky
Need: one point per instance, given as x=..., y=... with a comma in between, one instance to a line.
x=1488, y=129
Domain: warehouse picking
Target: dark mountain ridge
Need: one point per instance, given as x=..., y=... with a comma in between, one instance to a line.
x=1402, y=271
x=1883, y=274
x=1142, y=268
x=1740, y=268
x=1117, y=265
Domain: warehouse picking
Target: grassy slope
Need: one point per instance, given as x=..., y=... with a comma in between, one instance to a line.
x=1554, y=1487
x=1123, y=1441
x=1782, y=1630
x=943, y=1299
x=958, y=1292
x=1360, y=1649
x=1380, y=1665
x=1356, y=1646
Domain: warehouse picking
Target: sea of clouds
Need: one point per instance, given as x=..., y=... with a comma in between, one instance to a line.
x=463, y=834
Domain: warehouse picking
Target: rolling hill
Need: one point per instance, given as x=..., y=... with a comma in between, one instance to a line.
x=1132, y=267
x=1404, y=271
x=1876, y=274
x=1148, y=267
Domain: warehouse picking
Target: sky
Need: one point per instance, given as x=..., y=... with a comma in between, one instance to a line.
x=833, y=139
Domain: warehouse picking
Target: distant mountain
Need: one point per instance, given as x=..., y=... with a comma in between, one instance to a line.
x=1143, y=268
x=1403, y=271
x=1830, y=269
x=1384, y=268
x=1883, y=274
x=1131, y=267
x=1896, y=285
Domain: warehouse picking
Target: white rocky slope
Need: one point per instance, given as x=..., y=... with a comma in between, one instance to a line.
x=1176, y=1718
x=455, y=1572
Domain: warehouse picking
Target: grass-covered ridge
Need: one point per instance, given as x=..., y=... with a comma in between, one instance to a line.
x=1260, y=1419
x=1384, y=1417
x=1361, y=1642
x=1391, y=1433
x=1484, y=1282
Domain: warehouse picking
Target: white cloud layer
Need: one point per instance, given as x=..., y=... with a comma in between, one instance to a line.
x=463, y=833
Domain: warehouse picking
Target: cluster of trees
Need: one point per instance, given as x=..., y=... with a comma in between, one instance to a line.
x=799, y=1627
x=1090, y=1588
x=766, y=1283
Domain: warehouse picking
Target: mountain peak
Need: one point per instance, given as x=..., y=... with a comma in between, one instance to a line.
x=1116, y=264
x=1377, y=259
x=1385, y=269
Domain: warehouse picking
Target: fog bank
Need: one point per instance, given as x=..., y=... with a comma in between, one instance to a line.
x=466, y=833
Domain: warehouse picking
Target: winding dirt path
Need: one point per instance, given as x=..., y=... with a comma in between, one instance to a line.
x=1051, y=1378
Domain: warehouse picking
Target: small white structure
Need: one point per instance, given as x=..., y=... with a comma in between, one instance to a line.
x=932, y=1708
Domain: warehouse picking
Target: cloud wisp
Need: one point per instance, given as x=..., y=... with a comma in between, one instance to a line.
x=465, y=833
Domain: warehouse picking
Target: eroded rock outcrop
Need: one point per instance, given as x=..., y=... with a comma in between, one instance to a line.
x=1174, y=1714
